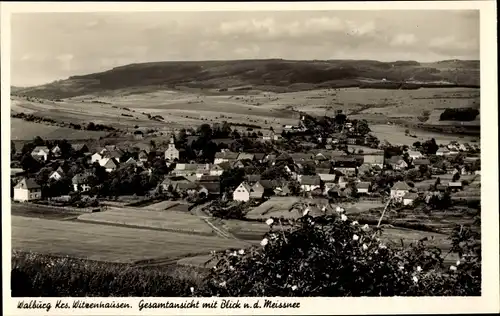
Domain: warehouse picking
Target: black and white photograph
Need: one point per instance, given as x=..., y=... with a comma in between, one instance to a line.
x=267, y=153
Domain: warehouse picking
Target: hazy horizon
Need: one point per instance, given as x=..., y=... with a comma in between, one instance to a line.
x=54, y=46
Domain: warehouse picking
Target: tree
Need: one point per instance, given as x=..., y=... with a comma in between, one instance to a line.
x=430, y=147
x=29, y=163
x=205, y=131
x=363, y=127
x=456, y=177
x=412, y=175
x=309, y=170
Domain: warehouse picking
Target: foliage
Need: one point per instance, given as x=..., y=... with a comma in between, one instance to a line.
x=333, y=256
x=430, y=147
x=459, y=114
x=35, y=275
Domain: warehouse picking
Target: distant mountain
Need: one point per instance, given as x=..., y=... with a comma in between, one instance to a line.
x=266, y=75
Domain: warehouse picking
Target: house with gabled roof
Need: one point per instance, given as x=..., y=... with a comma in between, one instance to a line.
x=96, y=157
x=256, y=190
x=245, y=156
x=414, y=154
x=80, y=182
x=185, y=169
x=212, y=188
x=225, y=156
x=80, y=148
x=171, y=182
x=216, y=170
x=109, y=164
x=27, y=190
x=113, y=154
x=309, y=183
x=397, y=163
x=41, y=153
x=57, y=174
x=143, y=156
x=409, y=198
x=374, y=159
x=399, y=189
x=56, y=151
x=242, y=192
x=363, y=187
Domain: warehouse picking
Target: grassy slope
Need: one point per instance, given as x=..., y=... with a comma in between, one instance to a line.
x=266, y=75
x=108, y=243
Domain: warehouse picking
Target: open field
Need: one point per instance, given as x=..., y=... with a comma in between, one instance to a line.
x=108, y=243
x=276, y=207
x=169, y=221
x=182, y=109
x=395, y=135
x=167, y=206
x=23, y=130
x=31, y=210
x=246, y=230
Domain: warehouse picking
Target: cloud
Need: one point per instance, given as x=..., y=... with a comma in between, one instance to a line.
x=403, y=40
x=56, y=45
x=65, y=61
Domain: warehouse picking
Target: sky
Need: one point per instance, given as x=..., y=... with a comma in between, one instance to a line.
x=52, y=46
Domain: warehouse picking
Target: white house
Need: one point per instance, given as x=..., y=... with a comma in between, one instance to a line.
x=413, y=154
x=56, y=151
x=171, y=153
x=242, y=192
x=443, y=151
x=80, y=183
x=41, y=152
x=363, y=187
x=399, y=189
x=57, y=175
x=96, y=157
x=409, y=198
x=216, y=170
x=398, y=163
x=27, y=190
x=309, y=183
x=109, y=164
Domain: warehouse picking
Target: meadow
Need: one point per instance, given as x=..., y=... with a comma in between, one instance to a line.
x=395, y=135
x=185, y=108
x=136, y=217
x=109, y=243
x=23, y=130
x=274, y=207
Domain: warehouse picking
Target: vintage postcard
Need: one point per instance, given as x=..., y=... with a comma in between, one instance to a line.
x=249, y=158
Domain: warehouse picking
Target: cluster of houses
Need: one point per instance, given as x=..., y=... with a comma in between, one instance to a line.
x=333, y=170
x=454, y=148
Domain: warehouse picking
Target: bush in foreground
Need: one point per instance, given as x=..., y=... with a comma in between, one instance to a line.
x=334, y=256
x=47, y=276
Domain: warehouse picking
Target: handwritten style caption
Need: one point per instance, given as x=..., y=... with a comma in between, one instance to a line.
x=143, y=305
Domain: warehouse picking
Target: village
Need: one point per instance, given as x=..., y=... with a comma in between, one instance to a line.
x=325, y=161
